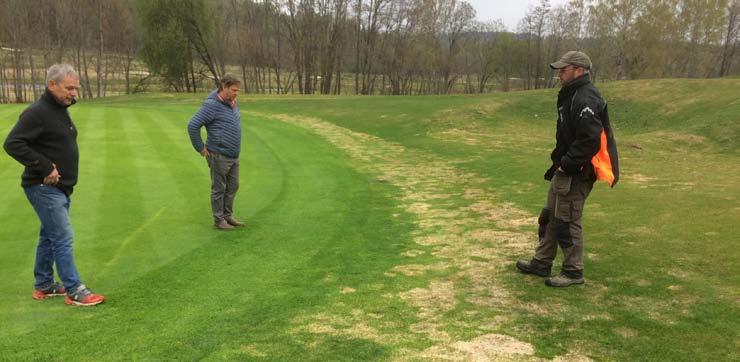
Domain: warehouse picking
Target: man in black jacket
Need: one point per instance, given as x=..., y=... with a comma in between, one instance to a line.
x=45, y=141
x=585, y=151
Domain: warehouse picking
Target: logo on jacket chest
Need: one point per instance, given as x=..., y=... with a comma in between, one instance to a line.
x=561, y=116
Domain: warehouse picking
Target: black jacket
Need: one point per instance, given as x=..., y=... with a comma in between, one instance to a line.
x=583, y=126
x=44, y=135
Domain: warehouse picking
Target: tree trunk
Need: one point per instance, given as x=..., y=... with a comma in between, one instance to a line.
x=33, y=74
x=278, y=84
x=338, y=81
x=3, y=83
x=127, y=73
x=192, y=75
x=730, y=37
x=244, y=77
x=99, y=64
x=18, y=64
x=358, y=40
x=86, y=76
x=269, y=79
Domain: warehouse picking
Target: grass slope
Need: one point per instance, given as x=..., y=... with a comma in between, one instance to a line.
x=387, y=227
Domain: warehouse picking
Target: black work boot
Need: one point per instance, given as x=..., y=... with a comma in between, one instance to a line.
x=564, y=280
x=533, y=267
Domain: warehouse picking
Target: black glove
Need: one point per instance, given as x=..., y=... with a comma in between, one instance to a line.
x=551, y=172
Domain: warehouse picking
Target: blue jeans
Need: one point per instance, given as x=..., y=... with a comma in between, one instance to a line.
x=55, y=237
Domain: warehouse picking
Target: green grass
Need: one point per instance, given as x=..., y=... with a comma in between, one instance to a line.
x=364, y=240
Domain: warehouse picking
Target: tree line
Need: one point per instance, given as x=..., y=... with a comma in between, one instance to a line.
x=396, y=47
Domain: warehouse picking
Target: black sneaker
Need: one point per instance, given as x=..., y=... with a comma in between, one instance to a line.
x=563, y=280
x=533, y=267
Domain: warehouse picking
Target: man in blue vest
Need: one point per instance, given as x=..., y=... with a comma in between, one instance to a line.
x=220, y=115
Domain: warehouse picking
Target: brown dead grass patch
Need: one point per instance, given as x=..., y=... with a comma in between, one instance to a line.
x=592, y=317
x=572, y=357
x=433, y=301
x=411, y=270
x=680, y=137
x=638, y=178
x=454, y=214
x=252, y=350
x=354, y=326
x=505, y=215
x=643, y=283
x=413, y=253
x=473, y=194
x=488, y=347
x=625, y=332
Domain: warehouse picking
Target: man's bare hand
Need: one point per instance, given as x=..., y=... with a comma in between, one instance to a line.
x=53, y=177
x=204, y=152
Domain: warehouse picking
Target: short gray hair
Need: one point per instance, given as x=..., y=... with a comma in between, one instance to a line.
x=228, y=80
x=57, y=72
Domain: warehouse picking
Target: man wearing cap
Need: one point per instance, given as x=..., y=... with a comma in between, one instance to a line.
x=585, y=151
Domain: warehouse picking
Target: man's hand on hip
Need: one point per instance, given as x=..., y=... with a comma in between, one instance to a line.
x=53, y=177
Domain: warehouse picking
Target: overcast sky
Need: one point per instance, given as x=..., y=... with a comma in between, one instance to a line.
x=510, y=11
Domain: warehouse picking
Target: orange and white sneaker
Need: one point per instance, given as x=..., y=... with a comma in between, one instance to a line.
x=53, y=290
x=84, y=297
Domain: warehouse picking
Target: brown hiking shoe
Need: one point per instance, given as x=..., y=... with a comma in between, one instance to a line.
x=222, y=225
x=533, y=267
x=563, y=280
x=234, y=222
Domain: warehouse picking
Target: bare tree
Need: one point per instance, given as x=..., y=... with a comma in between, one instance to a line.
x=539, y=16
x=731, y=38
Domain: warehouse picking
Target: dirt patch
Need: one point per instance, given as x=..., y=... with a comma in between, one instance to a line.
x=347, y=290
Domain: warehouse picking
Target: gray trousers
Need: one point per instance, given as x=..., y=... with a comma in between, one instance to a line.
x=561, y=224
x=224, y=184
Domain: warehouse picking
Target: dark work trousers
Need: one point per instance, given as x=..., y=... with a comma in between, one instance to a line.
x=224, y=184
x=561, y=220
